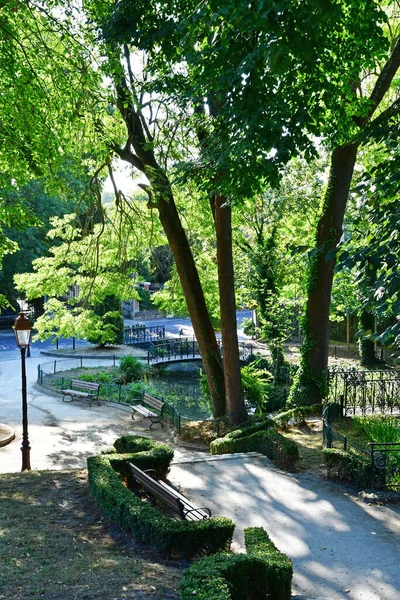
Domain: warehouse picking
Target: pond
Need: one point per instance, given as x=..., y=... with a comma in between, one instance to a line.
x=184, y=393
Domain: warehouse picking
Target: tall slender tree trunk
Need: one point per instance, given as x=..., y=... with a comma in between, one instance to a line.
x=367, y=322
x=311, y=385
x=366, y=346
x=139, y=152
x=311, y=382
x=196, y=304
x=230, y=346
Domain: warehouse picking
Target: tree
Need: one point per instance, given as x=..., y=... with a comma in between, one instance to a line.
x=310, y=386
x=282, y=87
x=85, y=273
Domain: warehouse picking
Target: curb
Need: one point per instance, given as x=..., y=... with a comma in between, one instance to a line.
x=7, y=434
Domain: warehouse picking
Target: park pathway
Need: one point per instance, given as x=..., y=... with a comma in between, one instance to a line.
x=341, y=548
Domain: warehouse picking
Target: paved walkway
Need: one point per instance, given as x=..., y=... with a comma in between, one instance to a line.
x=341, y=548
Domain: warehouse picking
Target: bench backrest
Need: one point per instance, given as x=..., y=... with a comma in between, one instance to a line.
x=153, y=402
x=156, y=490
x=85, y=385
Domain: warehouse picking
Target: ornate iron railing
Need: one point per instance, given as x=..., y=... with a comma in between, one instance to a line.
x=140, y=333
x=385, y=462
x=184, y=348
x=365, y=392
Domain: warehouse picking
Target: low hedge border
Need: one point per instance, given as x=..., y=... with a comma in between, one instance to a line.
x=144, y=522
x=345, y=465
x=263, y=573
x=297, y=415
x=261, y=438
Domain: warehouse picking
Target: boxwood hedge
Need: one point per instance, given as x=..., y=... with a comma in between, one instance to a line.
x=263, y=573
x=263, y=438
x=143, y=521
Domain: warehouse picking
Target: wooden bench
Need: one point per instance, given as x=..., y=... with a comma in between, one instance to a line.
x=143, y=411
x=83, y=389
x=145, y=485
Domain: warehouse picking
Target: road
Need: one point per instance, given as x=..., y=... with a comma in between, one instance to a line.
x=175, y=325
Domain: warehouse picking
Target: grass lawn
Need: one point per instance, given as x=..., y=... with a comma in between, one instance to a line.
x=54, y=545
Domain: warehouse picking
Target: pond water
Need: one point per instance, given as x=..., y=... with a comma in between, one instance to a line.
x=184, y=393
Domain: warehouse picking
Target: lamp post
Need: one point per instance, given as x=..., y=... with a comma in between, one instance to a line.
x=22, y=330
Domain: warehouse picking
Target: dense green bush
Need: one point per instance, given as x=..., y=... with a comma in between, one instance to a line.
x=261, y=438
x=143, y=521
x=263, y=573
x=130, y=369
x=346, y=465
x=297, y=415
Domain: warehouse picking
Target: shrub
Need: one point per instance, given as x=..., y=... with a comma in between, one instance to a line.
x=345, y=466
x=256, y=385
x=262, y=573
x=143, y=521
x=297, y=415
x=131, y=369
x=261, y=438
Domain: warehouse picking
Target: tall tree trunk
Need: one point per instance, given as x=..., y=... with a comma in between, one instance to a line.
x=311, y=381
x=367, y=322
x=196, y=304
x=367, y=346
x=311, y=385
x=139, y=152
x=231, y=360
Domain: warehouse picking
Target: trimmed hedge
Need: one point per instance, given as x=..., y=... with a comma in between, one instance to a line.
x=297, y=415
x=263, y=573
x=261, y=438
x=345, y=465
x=144, y=522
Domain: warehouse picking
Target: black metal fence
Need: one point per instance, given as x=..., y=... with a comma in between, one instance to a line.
x=186, y=347
x=384, y=458
x=57, y=374
x=365, y=392
x=385, y=462
x=140, y=333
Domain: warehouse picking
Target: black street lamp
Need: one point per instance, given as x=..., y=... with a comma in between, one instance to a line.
x=22, y=330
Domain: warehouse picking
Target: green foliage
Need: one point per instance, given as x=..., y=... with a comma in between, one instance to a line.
x=345, y=466
x=297, y=415
x=261, y=438
x=378, y=428
x=264, y=573
x=131, y=369
x=110, y=313
x=145, y=299
x=143, y=521
x=256, y=385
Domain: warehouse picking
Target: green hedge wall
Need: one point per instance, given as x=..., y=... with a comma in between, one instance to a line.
x=261, y=438
x=297, y=415
x=144, y=522
x=264, y=573
x=345, y=466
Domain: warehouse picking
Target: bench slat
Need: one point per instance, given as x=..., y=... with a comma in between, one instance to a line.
x=146, y=412
x=169, y=496
x=92, y=393
x=192, y=512
x=156, y=489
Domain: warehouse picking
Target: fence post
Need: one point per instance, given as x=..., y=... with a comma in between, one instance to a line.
x=73, y=343
x=55, y=366
x=341, y=398
x=114, y=360
x=119, y=392
x=38, y=375
x=81, y=362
